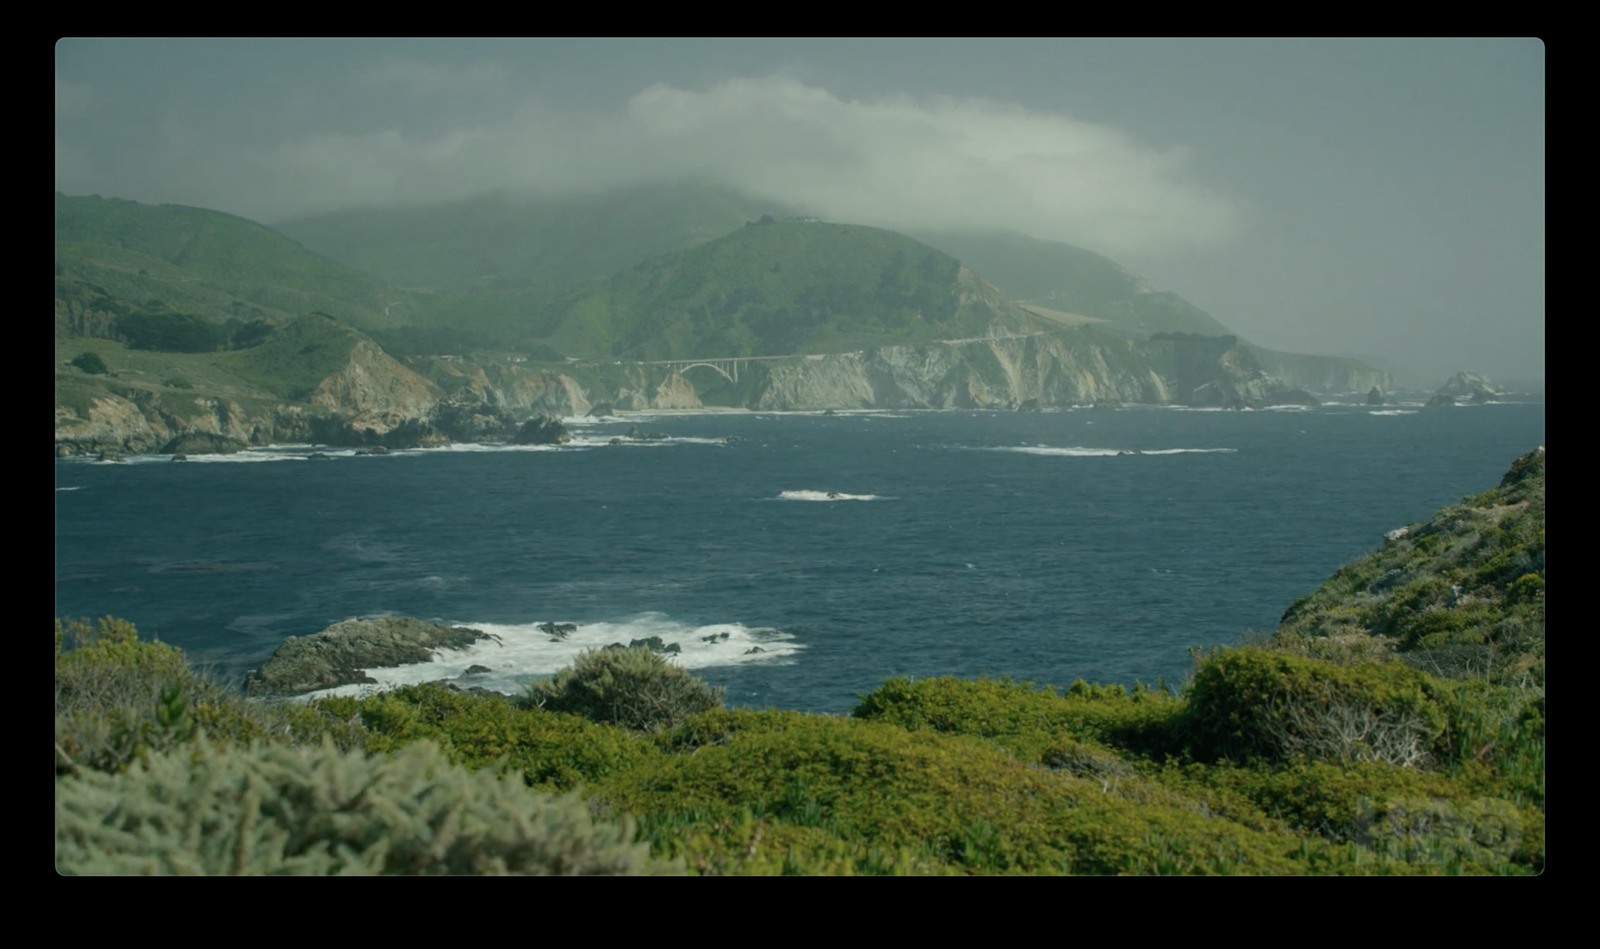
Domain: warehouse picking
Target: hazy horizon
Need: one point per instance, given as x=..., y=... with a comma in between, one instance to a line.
x=1376, y=198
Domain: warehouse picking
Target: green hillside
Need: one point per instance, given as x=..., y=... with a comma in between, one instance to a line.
x=502, y=242
x=776, y=288
x=1073, y=280
x=215, y=266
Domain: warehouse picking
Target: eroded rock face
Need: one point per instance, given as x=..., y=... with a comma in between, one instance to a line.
x=341, y=654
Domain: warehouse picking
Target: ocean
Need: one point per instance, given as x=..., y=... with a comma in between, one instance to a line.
x=799, y=559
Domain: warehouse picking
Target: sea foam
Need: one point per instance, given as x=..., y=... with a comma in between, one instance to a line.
x=1081, y=452
x=517, y=654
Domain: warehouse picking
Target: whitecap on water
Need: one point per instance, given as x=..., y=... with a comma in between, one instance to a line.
x=826, y=496
x=517, y=654
x=1082, y=452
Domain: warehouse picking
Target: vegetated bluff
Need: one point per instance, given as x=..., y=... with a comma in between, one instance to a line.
x=1460, y=594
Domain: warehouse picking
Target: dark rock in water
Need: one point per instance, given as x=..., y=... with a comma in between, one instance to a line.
x=1106, y=405
x=638, y=434
x=830, y=412
x=1482, y=396
x=376, y=450
x=616, y=646
x=715, y=638
x=180, y=457
x=110, y=455
x=475, y=414
x=753, y=650
x=654, y=644
x=1440, y=401
x=544, y=430
x=1374, y=397
x=614, y=441
x=202, y=443
x=1030, y=405
x=341, y=654
x=316, y=454
x=558, y=631
x=477, y=670
x=601, y=410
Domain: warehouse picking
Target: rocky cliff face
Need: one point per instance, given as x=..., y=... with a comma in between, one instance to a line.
x=144, y=421
x=373, y=400
x=367, y=398
x=994, y=373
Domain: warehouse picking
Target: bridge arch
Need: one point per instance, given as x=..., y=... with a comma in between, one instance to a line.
x=682, y=368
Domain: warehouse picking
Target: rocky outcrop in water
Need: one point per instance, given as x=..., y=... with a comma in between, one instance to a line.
x=544, y=430
x=1470, y=385
x=342, y=654
x=202, y=443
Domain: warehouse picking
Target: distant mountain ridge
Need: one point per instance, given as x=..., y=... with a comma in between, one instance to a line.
x=779, y=288
x=174, y=322
x=599, y=236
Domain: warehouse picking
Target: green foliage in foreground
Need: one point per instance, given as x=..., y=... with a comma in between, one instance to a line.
x=634, y=688
x=278, y=810
x=937, y=776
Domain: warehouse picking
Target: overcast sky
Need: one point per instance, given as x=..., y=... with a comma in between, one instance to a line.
x=1382, y=198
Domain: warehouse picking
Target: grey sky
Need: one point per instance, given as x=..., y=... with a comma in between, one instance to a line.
x=1375, y=197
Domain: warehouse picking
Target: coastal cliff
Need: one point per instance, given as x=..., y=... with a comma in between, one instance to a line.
x=318, y=380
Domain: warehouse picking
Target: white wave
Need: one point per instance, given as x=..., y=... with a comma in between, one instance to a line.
x=508, y=446
x=1081, y=452
x=827, y=496
x=520, y=653
x=75, y=487
x=582, y=441
x=252, y=455
x=1392, y=412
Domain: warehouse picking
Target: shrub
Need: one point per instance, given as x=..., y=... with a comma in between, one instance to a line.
x=1249, y=703
x=275, y=810
x=552, y=750
x=119, y=699
x=1022, y=718
x=91, y=363
x=116, y=696
x=634, y=688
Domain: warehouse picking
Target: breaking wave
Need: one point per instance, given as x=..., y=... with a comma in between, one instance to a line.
x=517, y=654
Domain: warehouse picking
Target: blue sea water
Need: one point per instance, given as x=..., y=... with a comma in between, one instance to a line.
x=1046, y=546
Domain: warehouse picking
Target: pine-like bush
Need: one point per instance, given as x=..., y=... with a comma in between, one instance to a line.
x=635, y=688
x=272, y=809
